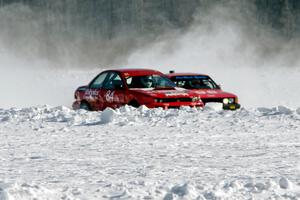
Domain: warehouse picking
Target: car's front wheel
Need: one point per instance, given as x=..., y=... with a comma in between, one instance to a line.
x=134, y=103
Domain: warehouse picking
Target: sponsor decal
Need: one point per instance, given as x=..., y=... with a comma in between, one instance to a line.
x=211, y=92
x=175, y=93
x=211, y=95
x=200, y=92
x=91, y=93
x=167, y=93
x=180, y=89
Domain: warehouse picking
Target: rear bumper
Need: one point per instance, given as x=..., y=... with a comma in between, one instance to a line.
x=76, y=105
x=233, y=106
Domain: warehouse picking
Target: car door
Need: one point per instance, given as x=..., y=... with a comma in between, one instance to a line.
x=113, y=91
x=93, y=93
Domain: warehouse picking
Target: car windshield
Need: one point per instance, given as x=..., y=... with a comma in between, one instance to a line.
x=195, y=82
x=149, y=81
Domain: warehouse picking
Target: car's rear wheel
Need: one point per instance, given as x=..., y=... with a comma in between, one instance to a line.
x=85, y=106
x=134, y=103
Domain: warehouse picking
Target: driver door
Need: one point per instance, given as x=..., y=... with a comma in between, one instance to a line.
x=113, y=91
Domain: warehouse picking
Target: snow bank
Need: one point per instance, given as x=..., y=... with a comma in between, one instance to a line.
x=24, y=191
x=235, y=189
x=128, y=115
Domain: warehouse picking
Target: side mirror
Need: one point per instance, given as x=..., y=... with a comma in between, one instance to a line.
x=219, y=86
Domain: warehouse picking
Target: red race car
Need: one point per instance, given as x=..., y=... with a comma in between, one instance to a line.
x=202, y=84
x=135, y=87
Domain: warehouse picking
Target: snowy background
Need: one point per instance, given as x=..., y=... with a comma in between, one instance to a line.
x=48, y=151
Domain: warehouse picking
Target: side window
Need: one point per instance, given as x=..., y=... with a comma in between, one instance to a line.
x=208, y=84
x=114, y=82
x=98, y=82
x=178, y=83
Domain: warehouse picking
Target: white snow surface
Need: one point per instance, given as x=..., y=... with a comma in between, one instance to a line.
x=58, y=153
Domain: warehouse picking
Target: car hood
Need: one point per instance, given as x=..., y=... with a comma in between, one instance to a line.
x=165, y=93
x=213, y=93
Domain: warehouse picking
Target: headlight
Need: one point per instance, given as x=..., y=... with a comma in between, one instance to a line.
x=228, y=100
x=225, y=101
x=158, y=100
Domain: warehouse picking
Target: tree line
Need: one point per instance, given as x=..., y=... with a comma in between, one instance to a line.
x=111, y=17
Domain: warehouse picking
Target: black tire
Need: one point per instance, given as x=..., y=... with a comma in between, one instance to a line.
x=85, y=106
x=134, y=103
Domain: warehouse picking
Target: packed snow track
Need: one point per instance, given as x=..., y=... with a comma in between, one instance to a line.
x=57, y=153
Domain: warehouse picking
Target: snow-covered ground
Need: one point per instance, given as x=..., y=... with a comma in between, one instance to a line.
x=57, y=153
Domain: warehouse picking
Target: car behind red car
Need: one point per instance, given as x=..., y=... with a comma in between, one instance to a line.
x=209, y=91
x=135, y=87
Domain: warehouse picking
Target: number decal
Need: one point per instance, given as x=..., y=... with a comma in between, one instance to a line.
x=109, y=96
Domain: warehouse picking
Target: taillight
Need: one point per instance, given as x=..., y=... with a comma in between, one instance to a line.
x=76, y=95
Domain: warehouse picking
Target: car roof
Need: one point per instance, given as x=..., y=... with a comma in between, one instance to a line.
x=185, y=74
x=136, y=71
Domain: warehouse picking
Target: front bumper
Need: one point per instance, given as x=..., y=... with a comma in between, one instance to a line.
x=232, y=106
x=174, y=104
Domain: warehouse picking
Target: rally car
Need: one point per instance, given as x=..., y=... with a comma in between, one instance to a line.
x=134, y=87
x=209, y=91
